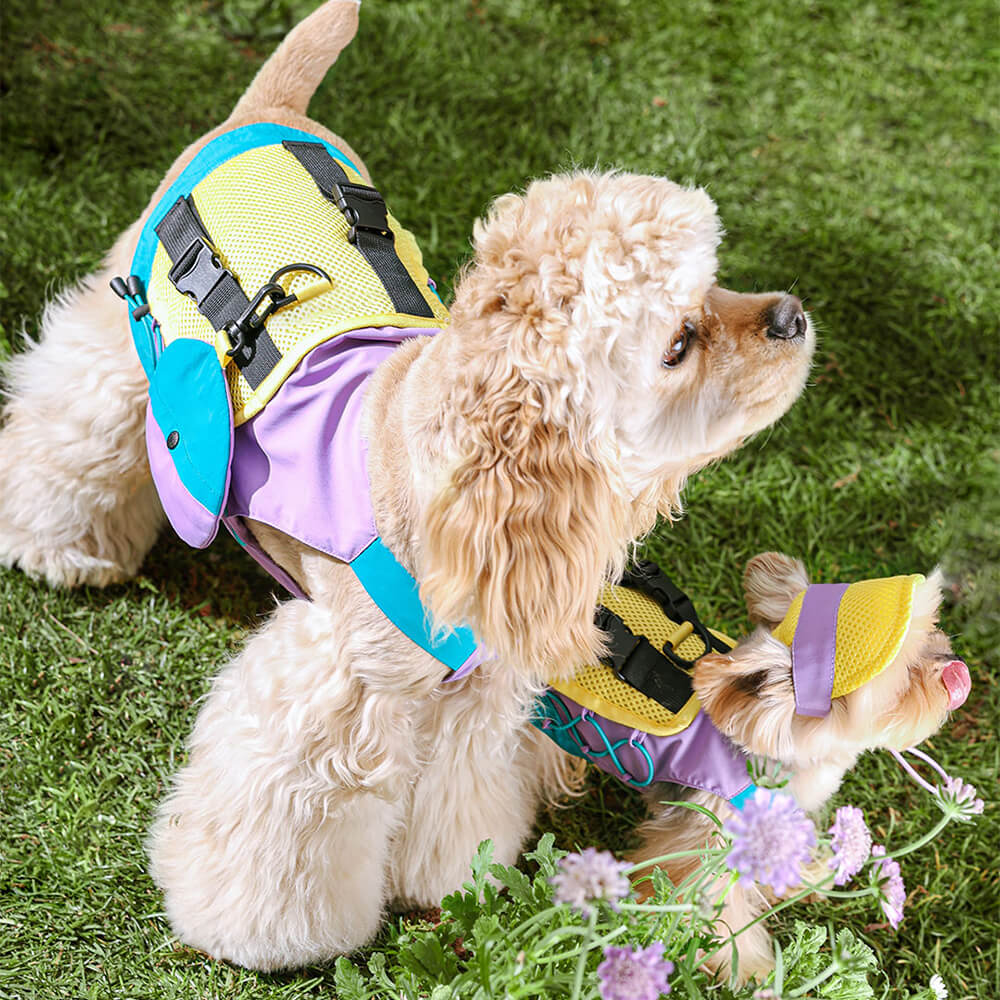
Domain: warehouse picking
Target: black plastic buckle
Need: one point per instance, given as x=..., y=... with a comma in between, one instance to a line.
x=624, y=642
x=243, y=331
x=649, y=578
x=197, y=271
x=364, y=208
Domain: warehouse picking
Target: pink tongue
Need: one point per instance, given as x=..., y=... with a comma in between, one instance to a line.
x=956, y=679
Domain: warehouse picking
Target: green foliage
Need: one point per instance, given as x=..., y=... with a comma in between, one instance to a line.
x=509, y=938
x=808, y=956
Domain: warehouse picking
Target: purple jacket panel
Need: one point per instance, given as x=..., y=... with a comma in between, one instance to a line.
x=300, y=465
x=697, y=757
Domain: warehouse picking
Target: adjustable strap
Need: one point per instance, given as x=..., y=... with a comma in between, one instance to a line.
x=397, y=594
x=648, y=578
x=365, y=210
x=198, y=273
x=658, y=674
x=637, y=662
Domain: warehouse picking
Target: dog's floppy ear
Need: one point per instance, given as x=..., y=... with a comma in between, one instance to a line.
x=522, y=536
x=748, y=694
x=771, y=582
x=531, y=513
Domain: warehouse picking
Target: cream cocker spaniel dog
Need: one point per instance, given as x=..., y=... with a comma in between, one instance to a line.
x=514, y=455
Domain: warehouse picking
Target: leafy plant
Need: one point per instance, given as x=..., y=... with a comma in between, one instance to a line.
x=572, y=929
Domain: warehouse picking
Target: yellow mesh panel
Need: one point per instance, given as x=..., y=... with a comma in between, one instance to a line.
x=872, y=622
x=596, y=686
x=785, y=630
x=263, y=211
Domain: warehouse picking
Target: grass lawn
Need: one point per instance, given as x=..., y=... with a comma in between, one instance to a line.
x=851, y=149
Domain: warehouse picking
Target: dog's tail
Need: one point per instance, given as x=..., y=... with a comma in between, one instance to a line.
x=290, y=77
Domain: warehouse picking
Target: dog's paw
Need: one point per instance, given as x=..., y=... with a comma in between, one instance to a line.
x=59, y=567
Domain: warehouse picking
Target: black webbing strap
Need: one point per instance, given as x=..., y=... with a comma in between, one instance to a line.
x=637, y=662
x=648, y=578
x=197, y=272
x=662, y=675
x=365, y=210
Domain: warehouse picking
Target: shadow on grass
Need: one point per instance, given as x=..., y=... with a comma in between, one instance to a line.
x=219, y=582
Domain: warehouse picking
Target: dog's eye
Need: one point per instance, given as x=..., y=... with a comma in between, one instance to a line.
x=674, y=354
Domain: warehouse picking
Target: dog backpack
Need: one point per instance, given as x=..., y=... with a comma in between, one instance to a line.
x=634, y=714
x=270, y=263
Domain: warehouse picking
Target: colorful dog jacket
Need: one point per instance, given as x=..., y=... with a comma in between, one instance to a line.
x=268, y=284
x=635, y=714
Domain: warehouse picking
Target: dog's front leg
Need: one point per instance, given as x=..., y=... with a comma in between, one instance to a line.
x=272, y=846
x=480, y=780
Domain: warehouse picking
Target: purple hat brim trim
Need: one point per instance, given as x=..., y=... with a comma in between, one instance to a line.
x=814, y=649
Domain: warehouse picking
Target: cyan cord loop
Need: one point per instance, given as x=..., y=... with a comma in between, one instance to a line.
x=558, y=720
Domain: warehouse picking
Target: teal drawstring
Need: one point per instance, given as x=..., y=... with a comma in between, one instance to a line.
x=562, y=727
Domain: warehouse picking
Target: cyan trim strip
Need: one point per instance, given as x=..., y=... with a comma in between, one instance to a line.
x=397, y=594
x=217, y=152
x=739, y=800
x=550, y=713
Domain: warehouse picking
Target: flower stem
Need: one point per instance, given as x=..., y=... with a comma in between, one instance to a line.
x=928, y=759
x=707, y=852
x=917, y=844
x=534, y=919
x=770, y=913
x=598, y=943
x=656, y=907
x=846, y=893
x=581, y=962
x=905, y=765
x=733, y=879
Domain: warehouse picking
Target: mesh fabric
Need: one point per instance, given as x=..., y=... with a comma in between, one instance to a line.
x=263, y=211
x=596, y=687
x=872, y=621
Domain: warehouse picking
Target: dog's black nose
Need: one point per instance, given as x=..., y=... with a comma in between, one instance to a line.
x=787, y=320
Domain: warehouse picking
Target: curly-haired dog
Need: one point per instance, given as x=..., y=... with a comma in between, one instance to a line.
x=815, y=686
x=590, y=366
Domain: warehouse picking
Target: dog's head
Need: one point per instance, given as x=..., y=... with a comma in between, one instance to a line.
x=750, y=693
x=592, y=365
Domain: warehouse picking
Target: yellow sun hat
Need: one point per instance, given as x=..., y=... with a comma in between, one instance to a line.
x=844, y=635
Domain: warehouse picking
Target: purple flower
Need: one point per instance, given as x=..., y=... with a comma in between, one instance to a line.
x=955, y=797
x=852, y=843
x=964, y=795
x=772, y=838
x=589, y=876
x=634, y=973
x=892, y=893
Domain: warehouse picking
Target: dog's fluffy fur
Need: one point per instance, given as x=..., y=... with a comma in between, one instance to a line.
x=748, y=695
x=514, y=459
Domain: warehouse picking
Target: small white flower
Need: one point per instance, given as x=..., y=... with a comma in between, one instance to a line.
x=964, y=797
x=939, y=988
